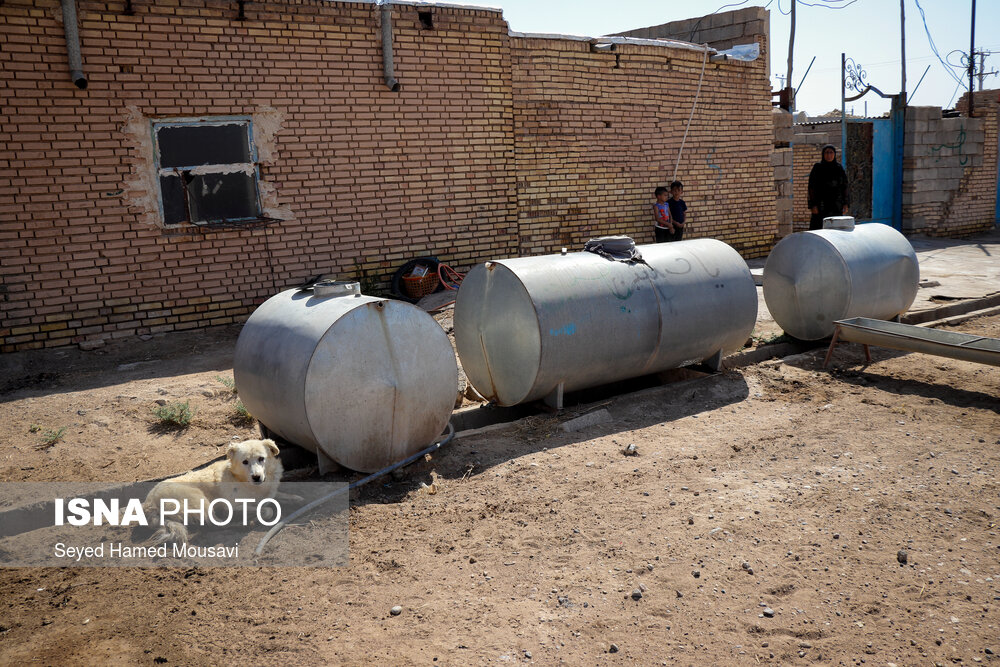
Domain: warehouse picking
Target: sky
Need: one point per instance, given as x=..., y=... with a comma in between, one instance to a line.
x=867, y=31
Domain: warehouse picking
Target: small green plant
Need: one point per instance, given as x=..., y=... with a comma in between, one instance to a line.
x=51, y=437
x=369, y=284
x=241, y=416
x=242, y=412
x=772, y=339
x=174, y=414
x=228, y=382
x=34, y=428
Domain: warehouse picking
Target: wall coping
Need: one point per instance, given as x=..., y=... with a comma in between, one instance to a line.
x=634, y=41
x=436, y=3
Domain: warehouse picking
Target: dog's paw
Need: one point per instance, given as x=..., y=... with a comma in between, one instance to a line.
x=161, y=536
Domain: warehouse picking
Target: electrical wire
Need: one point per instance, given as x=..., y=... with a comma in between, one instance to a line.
x=933, y=47
x=828, y=6
x=732, y=4
x=960, y=85
x=694, y=104
x=698, y=24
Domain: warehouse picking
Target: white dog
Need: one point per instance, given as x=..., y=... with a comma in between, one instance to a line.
x=251, y=470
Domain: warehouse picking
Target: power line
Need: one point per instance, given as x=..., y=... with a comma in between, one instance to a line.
x=828, y=6
x=933, y=47
x=960, y=84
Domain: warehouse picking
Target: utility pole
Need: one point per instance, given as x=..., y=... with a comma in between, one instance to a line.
x=972, y=60
x=791, y=50
x=902, y=47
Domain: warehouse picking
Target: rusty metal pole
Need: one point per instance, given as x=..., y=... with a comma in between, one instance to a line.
x=972, y=61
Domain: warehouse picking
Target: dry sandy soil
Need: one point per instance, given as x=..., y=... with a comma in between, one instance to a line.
x=760, y=522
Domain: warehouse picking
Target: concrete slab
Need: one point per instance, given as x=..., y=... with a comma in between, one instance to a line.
x=952, y=271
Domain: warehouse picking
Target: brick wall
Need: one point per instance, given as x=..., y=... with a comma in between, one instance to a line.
x=496, y=145
x=595, y=133
x=950, y=169
x=808, y=141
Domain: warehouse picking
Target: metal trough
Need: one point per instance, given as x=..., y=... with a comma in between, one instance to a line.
x=911, y=338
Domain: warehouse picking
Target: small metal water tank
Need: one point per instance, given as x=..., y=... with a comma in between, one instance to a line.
x=533, y=327
x=812, y=279
x=367, y=381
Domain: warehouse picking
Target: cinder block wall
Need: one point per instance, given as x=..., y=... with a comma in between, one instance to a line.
x=950, y=168
x=720, y=31
x=496, y=145
x=781, y=161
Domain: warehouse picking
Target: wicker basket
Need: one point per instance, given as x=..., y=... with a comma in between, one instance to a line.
x=416, y=288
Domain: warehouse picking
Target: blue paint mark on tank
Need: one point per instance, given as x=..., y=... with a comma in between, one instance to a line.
x=567, y=330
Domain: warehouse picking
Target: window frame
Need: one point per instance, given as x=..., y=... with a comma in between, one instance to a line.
x=218, y=121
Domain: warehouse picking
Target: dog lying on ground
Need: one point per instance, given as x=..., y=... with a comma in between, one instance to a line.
x=251, y=470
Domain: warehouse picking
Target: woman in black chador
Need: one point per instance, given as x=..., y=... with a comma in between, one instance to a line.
x=827, y=188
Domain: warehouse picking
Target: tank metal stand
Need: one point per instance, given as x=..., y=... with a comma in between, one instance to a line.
x=714, y=362
x=833, y=344
x=555, y=399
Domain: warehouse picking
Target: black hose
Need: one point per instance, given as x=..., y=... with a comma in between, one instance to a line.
x=375, y=475
x=431, y=263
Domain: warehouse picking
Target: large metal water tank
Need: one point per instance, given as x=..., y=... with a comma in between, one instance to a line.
x=367, y=381
x=812, y=279
x=533, y=327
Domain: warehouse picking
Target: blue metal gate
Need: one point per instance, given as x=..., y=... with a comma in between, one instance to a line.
x=883, y=164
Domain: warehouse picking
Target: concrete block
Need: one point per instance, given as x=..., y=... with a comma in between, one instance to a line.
x=590, y=419
x=782, y=173
x=930, y=196
x=922, y=113
x=720, y=20
x=727, y=32
x=913, y=224
x=755, y=28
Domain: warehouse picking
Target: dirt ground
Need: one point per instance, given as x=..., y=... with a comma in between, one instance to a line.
x=761, y=521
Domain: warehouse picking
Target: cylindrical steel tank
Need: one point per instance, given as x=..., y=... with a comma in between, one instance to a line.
x=367, y=381
x=525, y=326
x=812, y=279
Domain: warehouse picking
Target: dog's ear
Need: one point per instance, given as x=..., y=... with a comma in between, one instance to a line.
x=231, y=450
x=273, y=448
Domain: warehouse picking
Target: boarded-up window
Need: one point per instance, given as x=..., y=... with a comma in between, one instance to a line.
x=207, y=170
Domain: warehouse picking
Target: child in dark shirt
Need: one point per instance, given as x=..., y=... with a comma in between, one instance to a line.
x=678, y=210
